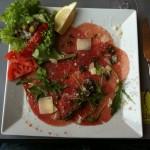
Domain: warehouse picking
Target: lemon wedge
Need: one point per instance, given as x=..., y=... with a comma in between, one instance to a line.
x=65, y=17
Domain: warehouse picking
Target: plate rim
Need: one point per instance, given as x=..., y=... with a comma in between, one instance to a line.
x=6, y=82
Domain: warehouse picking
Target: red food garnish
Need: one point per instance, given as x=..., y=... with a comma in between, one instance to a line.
x=22, y=63
x=19, y=69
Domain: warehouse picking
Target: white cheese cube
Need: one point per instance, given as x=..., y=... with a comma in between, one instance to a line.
x=92, y=69
x=83, y=44
x=46, y=105
x=54, y=61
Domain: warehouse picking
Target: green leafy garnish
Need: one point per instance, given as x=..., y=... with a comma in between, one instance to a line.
x=14, y=17
x=46, y=49
x=23, y=81
x=38, y=91
x=99, y=70
x=52, y=86
x=92, y=119
x=117, y=100
x=55, y=87
x=41, y=73
x=44, y=86
x=103, y=71
x=127, y=95
x=91, y=92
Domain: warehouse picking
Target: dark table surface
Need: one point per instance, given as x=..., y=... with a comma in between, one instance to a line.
x=143, y=10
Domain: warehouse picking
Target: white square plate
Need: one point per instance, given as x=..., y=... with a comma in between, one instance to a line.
x=18, y=119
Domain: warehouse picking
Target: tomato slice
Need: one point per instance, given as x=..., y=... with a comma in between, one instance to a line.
x=26, y=53
x=22, y=63
x=18, y=69
x=34, y=41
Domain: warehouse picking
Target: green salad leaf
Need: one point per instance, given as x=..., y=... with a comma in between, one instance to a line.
x=41, y=73
x=16, y=15
x=91, y=92
x=44, y=86
x=38, y=92
x=118, y=98
x=46, y=49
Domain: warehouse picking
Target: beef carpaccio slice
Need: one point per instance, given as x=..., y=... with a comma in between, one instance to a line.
x=73, y=73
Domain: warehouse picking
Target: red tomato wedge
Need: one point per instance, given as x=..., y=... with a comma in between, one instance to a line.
x=19, y=69
x=36, y=38
x=22, y=63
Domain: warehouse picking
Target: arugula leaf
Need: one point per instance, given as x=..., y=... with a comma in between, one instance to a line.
x=55, y=87
x=38, y=92
x=117, y=100
x=127, y=95
x=41, y=73
x=42, y=90
x=92, y=119
x=46, y=49
x=22, y=81
x=99, y=70
x=44, y=86
x=92, y=93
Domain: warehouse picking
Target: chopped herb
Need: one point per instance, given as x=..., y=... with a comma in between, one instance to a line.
x=41, y=73
x=92, y=119
x=42, y=89
x=55, y=87
x=83, y=69
x=44, y=86
x=91, y=92
x=99, y=69
x=103, y=71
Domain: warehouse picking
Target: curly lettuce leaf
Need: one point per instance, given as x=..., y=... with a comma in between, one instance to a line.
x=17, y=14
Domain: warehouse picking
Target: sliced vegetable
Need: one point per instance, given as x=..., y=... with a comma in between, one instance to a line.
x=19, y=69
